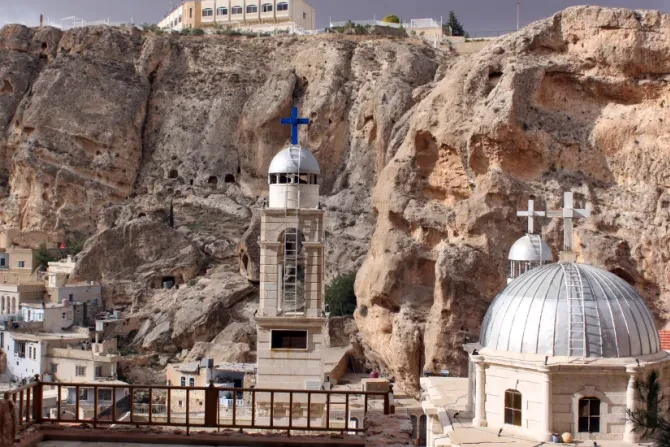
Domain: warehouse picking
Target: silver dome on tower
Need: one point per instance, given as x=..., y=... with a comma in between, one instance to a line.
x=294, y=160
x=572, y=310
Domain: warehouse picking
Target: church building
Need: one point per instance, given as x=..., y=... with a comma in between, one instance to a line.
x=561, y=349
x=290, y=319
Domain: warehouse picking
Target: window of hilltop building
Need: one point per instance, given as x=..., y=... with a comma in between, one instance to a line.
x=513, y=407
x=22, y=264
x=80, y=371
x=191, y=382
x=267, y=7
x=251, y=9
x=2, y=262
x=222, y=12
x=282, y=6
x=98, y=371
x=237, y=10
x=183, y=381
x=190, y=13
x=207, y=12
x=179, y=19
x=304, y=15
x=589, y=415
x=105, y=395
x=289, y=339
x=83, y=394
x=53, y=368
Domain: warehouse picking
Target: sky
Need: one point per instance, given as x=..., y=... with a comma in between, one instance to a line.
x=475, y=15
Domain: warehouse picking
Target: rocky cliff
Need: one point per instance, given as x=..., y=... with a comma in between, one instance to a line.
x=426, y=158
x=103, y=129
x=578, y=101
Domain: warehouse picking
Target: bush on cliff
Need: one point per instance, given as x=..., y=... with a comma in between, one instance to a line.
x=340, y=296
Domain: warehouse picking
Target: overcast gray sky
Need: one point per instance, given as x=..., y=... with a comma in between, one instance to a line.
x=476, y=15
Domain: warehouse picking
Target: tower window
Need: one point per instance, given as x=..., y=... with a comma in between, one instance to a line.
x=289, y=339
x=589, y=415
x=513, y=407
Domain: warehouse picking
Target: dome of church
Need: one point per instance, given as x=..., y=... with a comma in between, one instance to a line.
x=286, y=162
x=574, y=310
x=530, y=247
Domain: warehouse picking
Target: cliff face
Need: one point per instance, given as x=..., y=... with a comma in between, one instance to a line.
x=578, y=101
x=101, y=129
x=425, y=161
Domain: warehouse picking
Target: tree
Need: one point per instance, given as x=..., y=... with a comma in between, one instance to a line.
x=649, y=419
x=391, y=19
x=454, y=25
x=340, y=296
x=43, y=256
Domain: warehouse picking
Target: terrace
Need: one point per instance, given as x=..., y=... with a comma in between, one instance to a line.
x=115, y=409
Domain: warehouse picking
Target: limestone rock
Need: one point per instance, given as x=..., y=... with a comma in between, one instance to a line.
x=237, y=332
x=140, y=252
x=249, y=252
x=77, y=139
x=393, y=430
x=199, y=313
x=577, y=101
x=220, y=352
x=339, y=331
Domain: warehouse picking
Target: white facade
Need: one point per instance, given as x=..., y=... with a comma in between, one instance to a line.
x=290, y=319
x=55, y=317
x=256, y=15
x=27, y=352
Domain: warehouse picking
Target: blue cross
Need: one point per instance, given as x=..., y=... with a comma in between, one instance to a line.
x=294, y=121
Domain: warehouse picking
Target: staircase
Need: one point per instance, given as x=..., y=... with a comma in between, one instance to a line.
x=292, y=296
x=583, y=316
x=536, y=243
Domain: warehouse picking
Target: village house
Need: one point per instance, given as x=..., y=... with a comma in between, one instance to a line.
x=200, y=374
x=252, y=15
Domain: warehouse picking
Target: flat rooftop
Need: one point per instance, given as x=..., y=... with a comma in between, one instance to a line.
x=40, y=336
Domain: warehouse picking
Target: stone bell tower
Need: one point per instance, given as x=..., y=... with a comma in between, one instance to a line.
x=290, y=319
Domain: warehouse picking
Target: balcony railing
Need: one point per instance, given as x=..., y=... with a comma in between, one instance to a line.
x=202, y=408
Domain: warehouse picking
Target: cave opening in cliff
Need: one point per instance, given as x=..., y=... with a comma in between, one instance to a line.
x=230, y=178
x=7, y=87
x=213, y=180
x=173, y=173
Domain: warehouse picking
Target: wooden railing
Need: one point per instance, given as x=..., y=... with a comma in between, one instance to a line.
x=200, y=408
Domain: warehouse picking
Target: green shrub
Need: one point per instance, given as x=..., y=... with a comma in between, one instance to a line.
x=391, y=19
x=340, y=296
x=198, y=32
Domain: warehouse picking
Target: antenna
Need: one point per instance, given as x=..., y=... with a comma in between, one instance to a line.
x=518, y=15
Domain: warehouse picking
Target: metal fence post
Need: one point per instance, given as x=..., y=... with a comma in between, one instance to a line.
x=211, y=405
x=38, y=399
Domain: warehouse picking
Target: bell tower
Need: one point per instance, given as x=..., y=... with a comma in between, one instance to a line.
x=290, y=319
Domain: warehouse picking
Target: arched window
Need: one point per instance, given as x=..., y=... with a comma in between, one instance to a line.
x=251, y=9
x=414, y=427
x=267, y=7
x=423, y=430
x=292, y=271
x=207, y=12
x=589, y=415
x=237, y=10
x=513, y=407
x=282, y=6
x=222, y=11
x=353, y=422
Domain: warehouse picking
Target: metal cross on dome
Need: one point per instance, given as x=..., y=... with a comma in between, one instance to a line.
x=569, y=213
x=294, y=121
x=531, y=214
